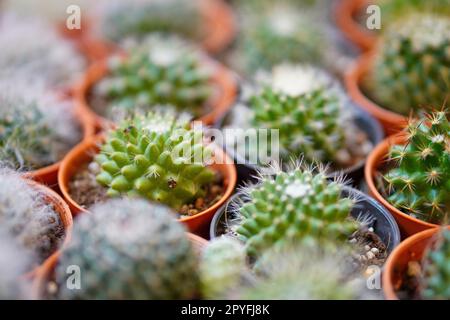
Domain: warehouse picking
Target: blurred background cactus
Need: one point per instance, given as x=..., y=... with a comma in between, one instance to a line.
x=130, y=249
x=419, y=182
x=156, y=156
x=160, y=70
x=37, y=128
x=27, y=217
x=411, y=70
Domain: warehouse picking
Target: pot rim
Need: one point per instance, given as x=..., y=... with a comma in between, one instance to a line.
x=375, y=158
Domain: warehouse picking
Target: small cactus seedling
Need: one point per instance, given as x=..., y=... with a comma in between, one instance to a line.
x=158, y=157
x=27, y=217
x=222, y=266
x=130, y=249
x=35, y=49
x=419, y=184
x=139, y=18
x=296, y=206
x=436, y=270
x=412, y=66
x=160, y=71
x=36, y=129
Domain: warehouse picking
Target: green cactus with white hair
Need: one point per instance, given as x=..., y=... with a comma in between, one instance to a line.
x=412, y=66
x=296, y=206
x=158, y=157
x=419, y=182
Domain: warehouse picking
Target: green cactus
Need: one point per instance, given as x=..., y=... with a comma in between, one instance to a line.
x=27, y=217
x=279, y=33
x=158, y=157
x=160, y=71
x=437, y=271
x=139, y=18
x=412, y=66
x=221, y=268
x=419, y=184
x=129, y=249
x=295, y=206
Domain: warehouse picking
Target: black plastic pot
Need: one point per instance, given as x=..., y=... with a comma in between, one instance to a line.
x=382, y=221
x=355, y=174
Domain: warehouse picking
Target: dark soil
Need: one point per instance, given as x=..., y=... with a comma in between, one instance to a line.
x=369, y=249
x=408, y=287
x=85, y=191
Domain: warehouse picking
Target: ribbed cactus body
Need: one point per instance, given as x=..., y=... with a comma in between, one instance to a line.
x=160, y=71
x=129, y=249
x=419, y=184
x=437, y=270
x=157, y=157
x=222, y=265
x=298, y=206
x=412, y=66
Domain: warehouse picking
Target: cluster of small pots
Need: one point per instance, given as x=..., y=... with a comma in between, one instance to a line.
x=390, y=223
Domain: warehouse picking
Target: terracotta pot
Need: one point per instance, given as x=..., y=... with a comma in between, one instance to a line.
x=345, y=14
x=51, y=197
x=49, y=175
x=407, y=224
x=45, y=273
x=392, y=122
x=412, y=249
x=223, y=80
x=85, y=152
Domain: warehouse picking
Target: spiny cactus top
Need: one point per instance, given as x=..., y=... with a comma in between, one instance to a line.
x=295, y=206
x=27, y=217
x=412, y=65
x=129, y=249
x=419, y=184
x=281, y=33
x=222, y=265
x=35, y=49
x=159, y=71
x=36, y=128
x=437, y=271
x=138, y=18
x=158, y=157
x=308, y=108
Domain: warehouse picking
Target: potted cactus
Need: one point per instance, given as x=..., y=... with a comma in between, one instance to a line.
x=146, y=156
x=409, y=173
x=207, y=22
x=304, y=207
x=418, y=268
x=314, y=119
x=35, y=218
x=150, y=256
x=410, y=62
x=37, y=128
x=161, y=70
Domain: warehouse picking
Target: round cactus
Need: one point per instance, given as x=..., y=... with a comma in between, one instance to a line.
x=160, y=71
x=158, y=157
x=436, y=270
x=412, y=66
x=129, y=249
x=139, y=18
x=419, y=184
x=25, y=214
x=295, y=206
x=222, y=265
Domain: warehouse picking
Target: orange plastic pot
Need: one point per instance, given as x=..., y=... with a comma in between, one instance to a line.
x=49, y=175
x=54, y=199
x=345, y=14
x=45, y=273
x=223, y=80
x=85, y=152
x=392, y=122
x=412, y=249
x=407, y=224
